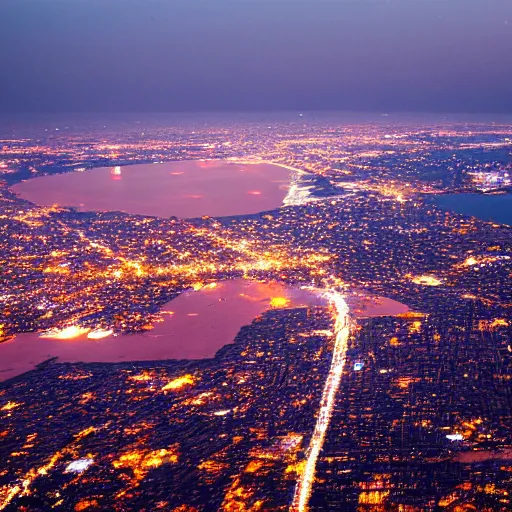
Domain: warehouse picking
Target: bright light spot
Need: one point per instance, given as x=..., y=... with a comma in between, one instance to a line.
x=455, y=437
x=373, y=498
x=141, y=462
x=415, y=327
x=499, y=322
x=142, y=377
x=78, y=466
x=73, y=331
x=254, y=192
x=98, y=334
x=427, y=280
x=358, y=366
x=9, y=406
x=279, y=302
x=470, y=261
x=179, y=383
x=222, y=413
x=487, y=325
x=116, y=171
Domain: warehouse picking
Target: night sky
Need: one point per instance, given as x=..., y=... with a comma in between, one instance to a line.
x=172, y=55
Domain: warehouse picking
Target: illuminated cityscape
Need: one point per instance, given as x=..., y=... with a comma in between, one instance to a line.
x=317, y=404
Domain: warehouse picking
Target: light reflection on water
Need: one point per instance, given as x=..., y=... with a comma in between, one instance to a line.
x=195, y=325
x=182, y=189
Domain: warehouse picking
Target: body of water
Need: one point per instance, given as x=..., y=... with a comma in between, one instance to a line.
x=491, y=208
x=195, y=325
x=183, y=189
x=363, y=305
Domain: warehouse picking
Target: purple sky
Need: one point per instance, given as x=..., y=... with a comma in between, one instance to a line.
x=190, y=55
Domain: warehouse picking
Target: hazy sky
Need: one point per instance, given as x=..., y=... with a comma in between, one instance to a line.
x=191, y=55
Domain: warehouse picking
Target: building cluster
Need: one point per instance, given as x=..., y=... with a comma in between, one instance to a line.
x=422, y=418
x=225, y=433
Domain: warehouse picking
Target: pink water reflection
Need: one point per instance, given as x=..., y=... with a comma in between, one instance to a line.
x=182, y=189
x=200, y=324
x=195, y=325
x=363, y=305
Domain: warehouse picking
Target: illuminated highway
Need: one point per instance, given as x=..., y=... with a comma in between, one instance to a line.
x=342, y=331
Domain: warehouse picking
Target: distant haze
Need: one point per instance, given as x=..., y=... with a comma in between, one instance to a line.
x=190, y=55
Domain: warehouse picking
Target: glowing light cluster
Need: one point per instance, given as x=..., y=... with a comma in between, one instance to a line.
x=79, y=466
x=279, y=302
x=482, y=261
x=180, y=383
x=67, y=333
x=141, y=461
x=223, y=412
x=99, y=334
x=23, y=486
x=490, y=325
x=238, y=498
x=9, y=406
x=426, y=280
x=455, y=437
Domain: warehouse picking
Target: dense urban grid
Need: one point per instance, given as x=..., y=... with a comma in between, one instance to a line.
x=310, y=408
